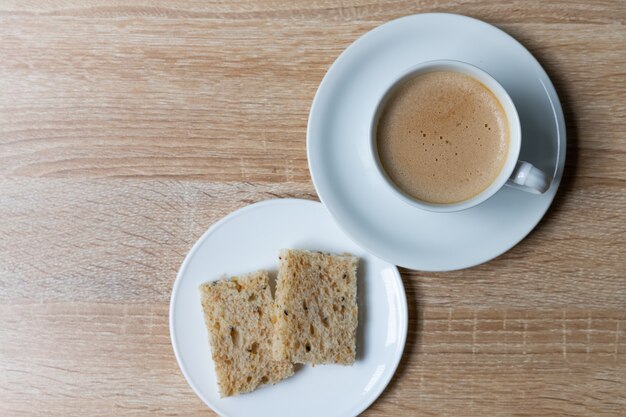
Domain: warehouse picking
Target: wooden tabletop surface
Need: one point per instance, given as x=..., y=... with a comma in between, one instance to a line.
x=128, y=127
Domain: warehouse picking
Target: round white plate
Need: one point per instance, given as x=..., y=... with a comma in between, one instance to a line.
x=343, y=170
x=248, y=240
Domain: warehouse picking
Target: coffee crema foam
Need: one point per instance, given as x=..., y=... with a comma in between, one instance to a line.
x=442, y=137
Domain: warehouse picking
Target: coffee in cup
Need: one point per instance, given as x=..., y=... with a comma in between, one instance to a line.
x=442, y=137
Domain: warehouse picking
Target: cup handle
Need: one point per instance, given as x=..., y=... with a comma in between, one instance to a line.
x=526, y=177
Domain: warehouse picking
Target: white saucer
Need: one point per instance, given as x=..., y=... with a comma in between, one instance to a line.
x=343, y=171
x=249, y=239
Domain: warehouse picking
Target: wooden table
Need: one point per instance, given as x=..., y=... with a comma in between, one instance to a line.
x=127, y=128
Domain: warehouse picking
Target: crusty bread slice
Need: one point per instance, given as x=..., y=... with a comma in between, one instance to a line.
x=316, y=308
x=237, y=313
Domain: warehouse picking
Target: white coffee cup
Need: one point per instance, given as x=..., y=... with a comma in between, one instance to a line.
x=515, y=173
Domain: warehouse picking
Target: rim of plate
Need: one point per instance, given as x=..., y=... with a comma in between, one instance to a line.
x=402, y=307
x=554, y=100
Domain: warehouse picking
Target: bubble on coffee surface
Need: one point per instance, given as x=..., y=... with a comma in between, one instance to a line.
x=464, y=137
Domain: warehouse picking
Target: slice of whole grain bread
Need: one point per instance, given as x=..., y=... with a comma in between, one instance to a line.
x=316, y=312
x=237, y=313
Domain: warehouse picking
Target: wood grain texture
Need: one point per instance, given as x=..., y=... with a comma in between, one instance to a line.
x=128, y=127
